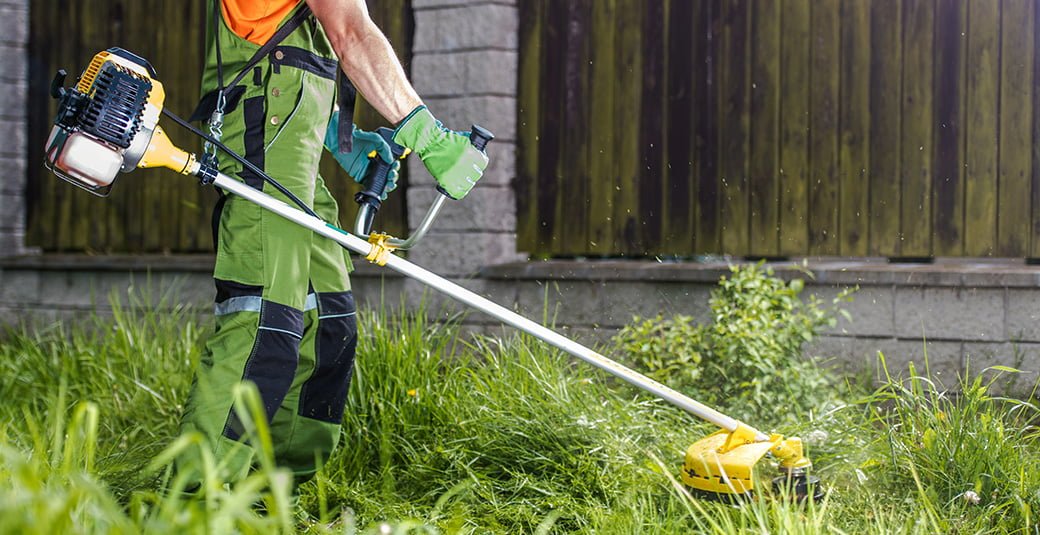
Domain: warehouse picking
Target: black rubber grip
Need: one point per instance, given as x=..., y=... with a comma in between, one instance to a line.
x=480, y=136
x=374, y=184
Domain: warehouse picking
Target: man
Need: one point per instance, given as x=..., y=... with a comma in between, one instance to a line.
x=285, y=315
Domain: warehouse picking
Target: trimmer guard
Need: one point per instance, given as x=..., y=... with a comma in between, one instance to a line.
x=724, y=462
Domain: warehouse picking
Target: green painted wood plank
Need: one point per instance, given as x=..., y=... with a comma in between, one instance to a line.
x=572, y=174
x=39, y=191
x=1034, y=234
x=1014, y=216
x=982, y=129
x=149, y=210
x=678, y=209
x=794, y=127
x=764, y=165
x=823, y=128
x=550, y=166
x=73, y=213
x=916, y=165
x=628, y=107
x=529, y=104
x=600, y=149
x=705, y=136
x=651, y=122
x=184, y=68
x=734, y=126
x=948, y=187
x=885, y=131
x=394, y=18
x=854, y=120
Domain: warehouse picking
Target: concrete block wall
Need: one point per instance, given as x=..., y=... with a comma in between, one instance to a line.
x=947, y=318
x=39, y=290
x=14, y=74
x=464, y=65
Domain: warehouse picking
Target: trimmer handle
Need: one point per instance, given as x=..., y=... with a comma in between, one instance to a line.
x=479, y=137
x=369, y=198
x=374, y=185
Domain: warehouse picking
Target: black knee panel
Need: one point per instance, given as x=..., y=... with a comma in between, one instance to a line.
x=272, y=363
x=324, y=395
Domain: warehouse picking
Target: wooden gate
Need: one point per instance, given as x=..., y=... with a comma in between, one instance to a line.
x=149, y=210
x=900, y=128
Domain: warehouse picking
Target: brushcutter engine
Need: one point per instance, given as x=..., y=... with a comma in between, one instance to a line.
x=107, y=122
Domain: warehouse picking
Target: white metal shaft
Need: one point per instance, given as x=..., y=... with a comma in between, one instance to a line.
x=487, y=306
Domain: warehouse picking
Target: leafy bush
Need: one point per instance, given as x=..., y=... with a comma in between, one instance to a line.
x=668, y=350
x=749, y=359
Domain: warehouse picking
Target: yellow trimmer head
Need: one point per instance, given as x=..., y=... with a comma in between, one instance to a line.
x=724, y=462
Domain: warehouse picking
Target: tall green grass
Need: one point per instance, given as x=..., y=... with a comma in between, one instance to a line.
x=450, y=434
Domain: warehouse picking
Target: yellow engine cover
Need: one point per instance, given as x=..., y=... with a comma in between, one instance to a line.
x=86, y=80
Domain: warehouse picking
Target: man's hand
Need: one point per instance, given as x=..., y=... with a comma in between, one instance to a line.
x=449, y=156
x=356, y=161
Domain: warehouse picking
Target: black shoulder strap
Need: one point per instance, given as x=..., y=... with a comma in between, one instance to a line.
x=346, y=91
x=276, y=39
x=346, y=97
x=208, y=103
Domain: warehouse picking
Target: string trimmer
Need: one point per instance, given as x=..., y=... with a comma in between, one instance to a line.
x=109, y=123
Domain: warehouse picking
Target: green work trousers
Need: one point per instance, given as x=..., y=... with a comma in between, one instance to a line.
x=285, y=315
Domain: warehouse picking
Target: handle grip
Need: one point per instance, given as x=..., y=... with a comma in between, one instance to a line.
x=479, y=137
x=374, y=184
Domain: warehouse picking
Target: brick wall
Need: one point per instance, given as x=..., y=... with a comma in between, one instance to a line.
x=14, y=66
x=464, y=66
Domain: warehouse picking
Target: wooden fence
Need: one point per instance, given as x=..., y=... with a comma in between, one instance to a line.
x=779, y=127
x=149, y=210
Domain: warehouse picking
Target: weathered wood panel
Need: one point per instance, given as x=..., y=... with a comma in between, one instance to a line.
x=951, y=17
x=705, y=120
x=917, y=106
x=823, y=127
x=764, y=164
x=854, y=121
x=149, y=210
x=886, y=83
x=599, y=154
x=900, y=128
x=626, y=112
x=983, y=89
x=794, y=127
x=734, y=132
x=1016, y=128
x=529, y=122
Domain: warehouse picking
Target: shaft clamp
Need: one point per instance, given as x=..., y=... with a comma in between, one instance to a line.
x=381, y=248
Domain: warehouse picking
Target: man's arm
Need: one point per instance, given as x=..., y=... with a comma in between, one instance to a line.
x=367, y=57
x=369, y=62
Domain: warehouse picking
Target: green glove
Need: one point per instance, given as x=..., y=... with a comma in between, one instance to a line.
x=449, y=156
x=364, y=144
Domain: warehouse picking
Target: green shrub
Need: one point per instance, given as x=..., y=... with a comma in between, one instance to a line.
x=750, y=358
x=669, y=350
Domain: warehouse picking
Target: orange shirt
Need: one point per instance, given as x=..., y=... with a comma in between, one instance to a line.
x=256, y=20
